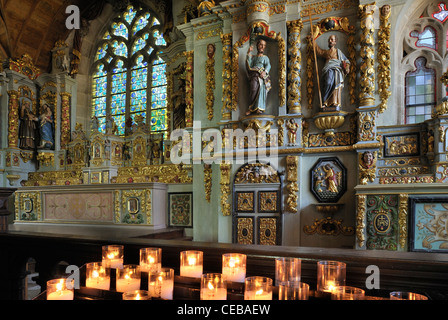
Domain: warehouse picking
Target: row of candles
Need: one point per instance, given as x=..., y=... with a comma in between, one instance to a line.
x=331, y=278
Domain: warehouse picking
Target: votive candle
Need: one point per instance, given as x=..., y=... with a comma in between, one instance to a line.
x=150, y=259
x=161, y=284
x=234, y=267
x=405, y=295
x=347, y=293
x=128, y=278
x=330, y=274
x=97, y=276
x=287, y=269
x=258, y=288
x=60, y=289
x=113, y=256
x=191, y=264
x=136, y=295
x=213, y=287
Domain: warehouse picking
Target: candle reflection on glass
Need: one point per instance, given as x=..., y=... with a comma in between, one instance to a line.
x=404, y=295
x=113, y=256
x=150, y=259
x=213, y=287
x=347, y=293
x=128, y=278
x=330, y=274
x=234, y=267
x=97, y=276
x=258, y=288
x=60, y=289
x=136, y=295
x=191, y=264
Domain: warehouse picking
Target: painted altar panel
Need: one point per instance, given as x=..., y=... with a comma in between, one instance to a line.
x=92, y=207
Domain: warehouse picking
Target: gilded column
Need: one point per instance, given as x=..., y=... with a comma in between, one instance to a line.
x=367, y=52
x=403, y=220
x=207, y=180
x=227, y=76
x=225, y=188
x=210, y=84
x=292, y=163
x=65, y=119
x=384, y=58
x=189, y=90
x=294, y=66
x=360, y=219
x=13, y=119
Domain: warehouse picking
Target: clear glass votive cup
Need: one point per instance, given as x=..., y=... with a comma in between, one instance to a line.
x=150, y=259
x=60, y=289
x=287, y=269
x=97, y=276
x=234, y=267
x=258, y=288
x=293, y=290
x=213, y=287
x=161, y=284
x=405, y=295
x=136, y=295
x=112, y=256
x=128, y=278
x=330, y=274
x=191, y=263
x=347, y=293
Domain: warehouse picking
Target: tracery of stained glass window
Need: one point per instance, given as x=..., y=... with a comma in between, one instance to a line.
x=420, y=92
x=442, y=14
x=129, y=76
x=427, y=38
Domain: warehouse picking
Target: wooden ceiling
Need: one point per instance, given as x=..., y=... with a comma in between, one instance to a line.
x=32, y=27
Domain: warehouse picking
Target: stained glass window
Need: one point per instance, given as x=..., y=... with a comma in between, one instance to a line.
x=129, y=77
x=420, y=92
x=442, y=14
x=427, y=38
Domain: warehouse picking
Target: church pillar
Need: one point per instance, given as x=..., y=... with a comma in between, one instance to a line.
x=13, y=119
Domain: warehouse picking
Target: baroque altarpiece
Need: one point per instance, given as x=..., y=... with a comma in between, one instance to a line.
x=335, y=160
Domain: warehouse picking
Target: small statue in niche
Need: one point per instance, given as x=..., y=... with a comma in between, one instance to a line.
x=292, y=127
x=258, y=67
x=367, y=159
x=46, y=128
x=180, y=104
x=330, y=178
x=111, y=127
x=27, y=131
x=336, y=67
x=94, y=124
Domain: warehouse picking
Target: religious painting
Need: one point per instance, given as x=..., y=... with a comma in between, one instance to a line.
x=180, y=209
x=402, y=145
x=428, y=228
x=245, y=202
x=382, y=222
x=268, y=201
x=328, y=179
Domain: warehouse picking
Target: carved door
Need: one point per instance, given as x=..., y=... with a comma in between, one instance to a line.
x=257, y=205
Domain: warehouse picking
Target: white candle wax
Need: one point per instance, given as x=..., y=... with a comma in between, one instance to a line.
x=98, y=283
x=257, y=295
x=150, y=267
x=194, y=271
x=162, y=289
x=61, y=295
x=213, y=294
x=234, y=274
x=114, y=263
x=124, y=285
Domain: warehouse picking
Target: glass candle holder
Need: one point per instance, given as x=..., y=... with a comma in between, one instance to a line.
x=150, y=259
x=136, y=295
x=287, y=269
x=258, y=288
x=293, y=290
x=234, y=267
x=97, y=276
x=330, y=274
x=404, y=295
x=191, y=264
x=161, y=284
x=213, y=287
x=128, y=278
x=347, y=293
x=60, y=289
x=113, y=256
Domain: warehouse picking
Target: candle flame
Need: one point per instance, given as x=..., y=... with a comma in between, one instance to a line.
x=232, y=263
x=60, y=285
x=138, y=297
x=151, y=260
x=259, y=292
x=191, y=261
x=210, y=285
x=95, y=274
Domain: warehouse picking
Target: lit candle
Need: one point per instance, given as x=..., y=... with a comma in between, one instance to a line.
x=191, y=264
x=161, y=284
x=136, y=295
x=330, y=274
x=128, y=278
x=258, y=288
x=213, y=287
x=113, y=256
x=234, y=267
x=58, y=289
x=150, y=259
x=97, y=276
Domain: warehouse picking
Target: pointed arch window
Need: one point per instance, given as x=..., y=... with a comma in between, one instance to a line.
x=129, y=77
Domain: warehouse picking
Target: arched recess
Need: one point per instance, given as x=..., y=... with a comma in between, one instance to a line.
x=257, y=210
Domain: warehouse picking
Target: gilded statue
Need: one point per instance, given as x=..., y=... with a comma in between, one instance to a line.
x=46, y=128
x=27, y=131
